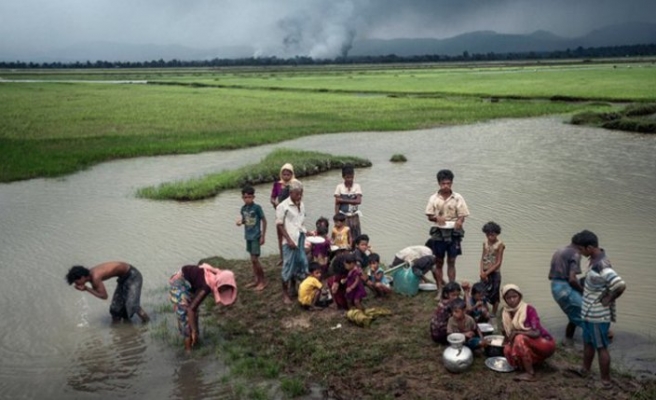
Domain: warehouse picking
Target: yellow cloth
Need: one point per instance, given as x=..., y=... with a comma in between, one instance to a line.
x=364, y=318
x=516, y=322
x=307, y=290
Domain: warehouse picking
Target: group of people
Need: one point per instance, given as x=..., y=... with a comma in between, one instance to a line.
x=324, y=266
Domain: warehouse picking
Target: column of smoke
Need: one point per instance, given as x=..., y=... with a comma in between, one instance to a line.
x=323, y=32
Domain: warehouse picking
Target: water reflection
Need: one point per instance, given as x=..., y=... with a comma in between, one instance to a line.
x=108, y=361
x=190, y=383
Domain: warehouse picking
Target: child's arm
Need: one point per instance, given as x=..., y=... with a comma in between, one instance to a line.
x=478, y=332
x=350, y=238
x=263, y=223
x=355, y=283
x=480, y=265
x=468, y=303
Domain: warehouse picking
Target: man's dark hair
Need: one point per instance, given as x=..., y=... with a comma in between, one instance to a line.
x=585, y=238
x=445, y=174
x=248, y=190
x=76, y=272
x=347, y=170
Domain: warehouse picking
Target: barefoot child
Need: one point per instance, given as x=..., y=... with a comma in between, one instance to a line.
x=440, y=319
x=348, y=196
x=320, y=252
x=254, y=222
x=377, y=280
x=355, y=291
x=341, y=234
x=309, y=292
x=490, y=264
x=460, y=322
x=476, y=302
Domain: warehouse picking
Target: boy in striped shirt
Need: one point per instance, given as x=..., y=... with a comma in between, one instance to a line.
x=602, y=287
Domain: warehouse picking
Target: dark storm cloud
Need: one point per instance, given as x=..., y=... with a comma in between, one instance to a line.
x=318, y=28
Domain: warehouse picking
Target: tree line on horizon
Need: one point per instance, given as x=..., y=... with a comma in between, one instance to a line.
x=640, y=50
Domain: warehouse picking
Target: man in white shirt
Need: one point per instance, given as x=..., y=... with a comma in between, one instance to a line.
x=290, y=217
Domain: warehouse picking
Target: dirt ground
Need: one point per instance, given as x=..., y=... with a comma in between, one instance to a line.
x=395, y=356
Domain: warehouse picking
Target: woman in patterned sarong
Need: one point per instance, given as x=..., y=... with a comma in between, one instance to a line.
x=528, y=343
x=189, y=287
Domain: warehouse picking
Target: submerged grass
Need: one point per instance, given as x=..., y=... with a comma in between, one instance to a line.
x=267, y=170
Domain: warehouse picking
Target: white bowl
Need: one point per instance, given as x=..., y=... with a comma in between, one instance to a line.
x=448, y=225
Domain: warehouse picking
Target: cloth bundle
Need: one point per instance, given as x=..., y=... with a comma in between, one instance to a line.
x=364, y=318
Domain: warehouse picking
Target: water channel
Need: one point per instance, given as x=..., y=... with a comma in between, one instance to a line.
x=541, y=179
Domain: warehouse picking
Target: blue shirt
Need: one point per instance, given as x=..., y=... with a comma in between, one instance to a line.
x=251, y=217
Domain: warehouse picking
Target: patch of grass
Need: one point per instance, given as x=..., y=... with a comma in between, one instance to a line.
x=53, y=129
x=640, y=118
x=267, y=170
x=292, y=387
x=398, y=158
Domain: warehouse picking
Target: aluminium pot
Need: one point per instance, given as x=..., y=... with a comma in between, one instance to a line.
x=494, y=347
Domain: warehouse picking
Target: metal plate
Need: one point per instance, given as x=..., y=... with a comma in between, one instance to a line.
x=499, y=364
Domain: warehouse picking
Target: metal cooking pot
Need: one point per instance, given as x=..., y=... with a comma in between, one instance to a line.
x=494, y=347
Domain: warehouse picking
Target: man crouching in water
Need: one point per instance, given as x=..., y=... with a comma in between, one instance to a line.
x=127, y=296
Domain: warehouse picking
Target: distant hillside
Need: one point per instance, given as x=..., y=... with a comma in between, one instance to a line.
x=480, y=42
x=110, y=51
x=483, y=42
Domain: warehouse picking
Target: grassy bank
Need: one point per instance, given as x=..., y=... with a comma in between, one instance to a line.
x=264, y=343
x=53, y=129
x=267, y=170
x=640, y=118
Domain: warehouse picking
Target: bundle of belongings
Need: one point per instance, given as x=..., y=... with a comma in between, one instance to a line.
x=364, y=318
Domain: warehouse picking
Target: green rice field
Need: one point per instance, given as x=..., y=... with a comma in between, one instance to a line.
x=60, y=125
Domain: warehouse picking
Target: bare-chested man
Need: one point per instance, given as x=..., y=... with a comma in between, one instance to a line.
x=127, y=296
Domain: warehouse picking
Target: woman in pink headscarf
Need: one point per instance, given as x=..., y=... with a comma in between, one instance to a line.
x=188, y=289
x=528, y=342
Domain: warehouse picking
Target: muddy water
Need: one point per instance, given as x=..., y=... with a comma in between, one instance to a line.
x=540, y=179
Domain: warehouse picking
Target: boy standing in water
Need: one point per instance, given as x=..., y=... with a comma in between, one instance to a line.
x=602, y=287
x=446, y=206
x=348, y=196
x=254, y=221
x=127, y=296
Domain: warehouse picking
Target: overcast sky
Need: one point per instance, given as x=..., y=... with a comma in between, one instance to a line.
x=287, y=27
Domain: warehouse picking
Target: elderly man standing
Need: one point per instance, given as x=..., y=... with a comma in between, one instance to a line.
x=290, y=217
